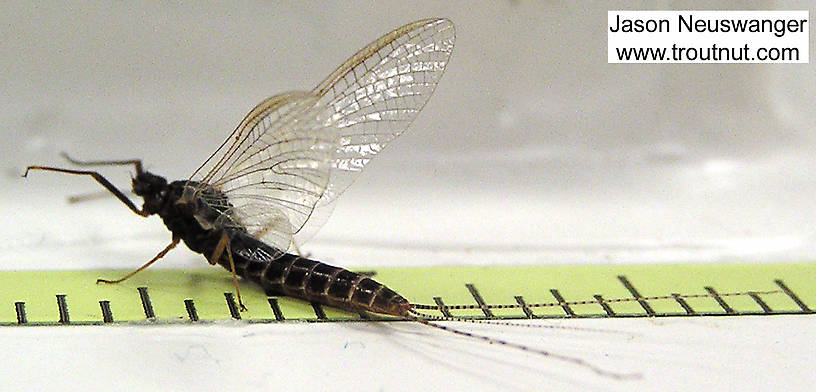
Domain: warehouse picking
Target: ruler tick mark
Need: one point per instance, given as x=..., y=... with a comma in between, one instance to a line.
x=562, y=303
x=62, y=306
x=604, y=305
x=233, y=308
x=273, y=303
x=479, y=300
x=680, y=300
x=442, y=308
x=728, y=309
x=760, y=302
x=643, y=304
x=794, y=297
x=107, y=315
x=146, y=304
x=191, y=310
x=527, y=311
x=319, y=312
x=19, y=308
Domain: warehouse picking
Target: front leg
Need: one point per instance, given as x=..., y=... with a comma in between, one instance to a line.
x=96, y=176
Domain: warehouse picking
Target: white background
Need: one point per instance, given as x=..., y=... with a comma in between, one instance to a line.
x=533, y=150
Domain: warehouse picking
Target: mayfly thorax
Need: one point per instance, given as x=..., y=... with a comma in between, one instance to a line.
x=290, y=158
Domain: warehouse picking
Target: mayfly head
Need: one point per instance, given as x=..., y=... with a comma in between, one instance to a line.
x=152, y=188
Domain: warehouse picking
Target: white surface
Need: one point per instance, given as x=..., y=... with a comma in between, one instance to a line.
x=533, y=150
x=680, y=354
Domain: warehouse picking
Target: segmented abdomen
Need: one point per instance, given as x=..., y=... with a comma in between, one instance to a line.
x=310, y=280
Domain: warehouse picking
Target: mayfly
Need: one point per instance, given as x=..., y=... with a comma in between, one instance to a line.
x=289, y=159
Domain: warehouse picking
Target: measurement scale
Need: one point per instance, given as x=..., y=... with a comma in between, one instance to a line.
x=206, y=295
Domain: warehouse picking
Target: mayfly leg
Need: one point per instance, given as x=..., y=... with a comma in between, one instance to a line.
x=224, y=246
x=140, y=269
x=137, y=163
x=98, y=177
x=89, y=196
x=115, y=191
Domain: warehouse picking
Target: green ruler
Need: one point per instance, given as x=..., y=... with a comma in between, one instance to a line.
x=203, y=295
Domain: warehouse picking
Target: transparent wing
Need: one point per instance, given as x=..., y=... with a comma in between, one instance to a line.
x=296, y=151
x=374, y=96
x=273, y=169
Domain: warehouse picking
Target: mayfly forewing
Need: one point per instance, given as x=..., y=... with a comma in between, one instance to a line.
x=374, y=96
x=297, y=150
x=273, y=168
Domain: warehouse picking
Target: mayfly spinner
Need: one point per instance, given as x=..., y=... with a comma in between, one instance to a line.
x=290, y=158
